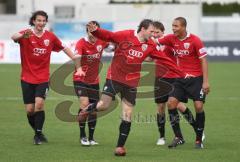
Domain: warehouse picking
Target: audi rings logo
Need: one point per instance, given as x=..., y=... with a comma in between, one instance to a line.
x=94, y=56
x=135, y=53
x=39, y=51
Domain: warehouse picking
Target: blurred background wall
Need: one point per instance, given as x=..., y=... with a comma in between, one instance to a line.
x=68, y=18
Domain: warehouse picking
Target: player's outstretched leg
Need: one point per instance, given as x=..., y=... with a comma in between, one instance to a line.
x=124, y=130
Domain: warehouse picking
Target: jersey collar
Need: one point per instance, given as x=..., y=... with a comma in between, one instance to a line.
x=44, y=30
x=87, y=40
x=136, y=35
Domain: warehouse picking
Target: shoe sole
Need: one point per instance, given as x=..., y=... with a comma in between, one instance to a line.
x=37, y=143
x=94, y=144
x=170, y=147
x=118, y=154
x=160, y=144
x=199, y=147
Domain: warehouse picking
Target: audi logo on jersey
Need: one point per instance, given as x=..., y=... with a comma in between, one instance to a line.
x=39, y=51
x=94, y=56
x=182, y=52
x=135, y=53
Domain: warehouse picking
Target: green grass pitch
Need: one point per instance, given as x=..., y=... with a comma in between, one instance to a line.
x=222, y=130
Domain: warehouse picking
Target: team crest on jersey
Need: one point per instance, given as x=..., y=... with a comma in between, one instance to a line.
x=99, y=48
x=46, y=42
x=186, y=45
x=144, y=47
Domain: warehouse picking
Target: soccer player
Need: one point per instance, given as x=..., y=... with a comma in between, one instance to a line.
x=132, y=47
x=87, y=86
x=168, y=77
x=36, y=45
x=191, y=58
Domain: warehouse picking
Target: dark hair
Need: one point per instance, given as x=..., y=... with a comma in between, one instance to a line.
x=159, y=25
x=182, y=20
x=35, y=14
x=144, y=24
x=94, y=22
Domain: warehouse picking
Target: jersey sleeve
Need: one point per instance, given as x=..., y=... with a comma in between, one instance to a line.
x=21, y=39
x=109, y=36
x=166, y=40
x=166, y=61
x=169, y=51
x=57, y=44
x=200, y=49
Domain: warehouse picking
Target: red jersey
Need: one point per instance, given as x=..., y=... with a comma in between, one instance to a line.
x=160, y=71
x=189, y=51
x=90, y=58
x=35, y=56
x=129, y=55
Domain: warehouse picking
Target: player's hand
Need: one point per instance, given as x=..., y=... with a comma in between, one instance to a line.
x=92, y=27
x=27, y=33
x=206, y=87
x=148, y=59
x=80, y=72
x=188, y=76
x=154, y=40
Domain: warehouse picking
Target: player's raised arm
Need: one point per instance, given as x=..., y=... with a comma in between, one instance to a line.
x=103, y=34
x=106, y=35
x=26, y=34
x=166, y=40
x=166, y=61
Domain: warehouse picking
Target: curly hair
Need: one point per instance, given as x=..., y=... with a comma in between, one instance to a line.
x=35, y=14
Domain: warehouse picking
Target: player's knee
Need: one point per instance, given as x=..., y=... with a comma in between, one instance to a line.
x=103, y=105
x=39, y=106
x=30, y=112
x=199, y=109
x=84, y=105
x=181, y=107
x=161, y=108
x=30, y=109
x=127, y=115
x=198, y=106
x=172, y=103
x=128, y=111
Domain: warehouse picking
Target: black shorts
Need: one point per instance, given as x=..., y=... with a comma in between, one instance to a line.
x=87, y=90
x=30, y=91
x=111, y=88
x=190, y=88
x=162, y=88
